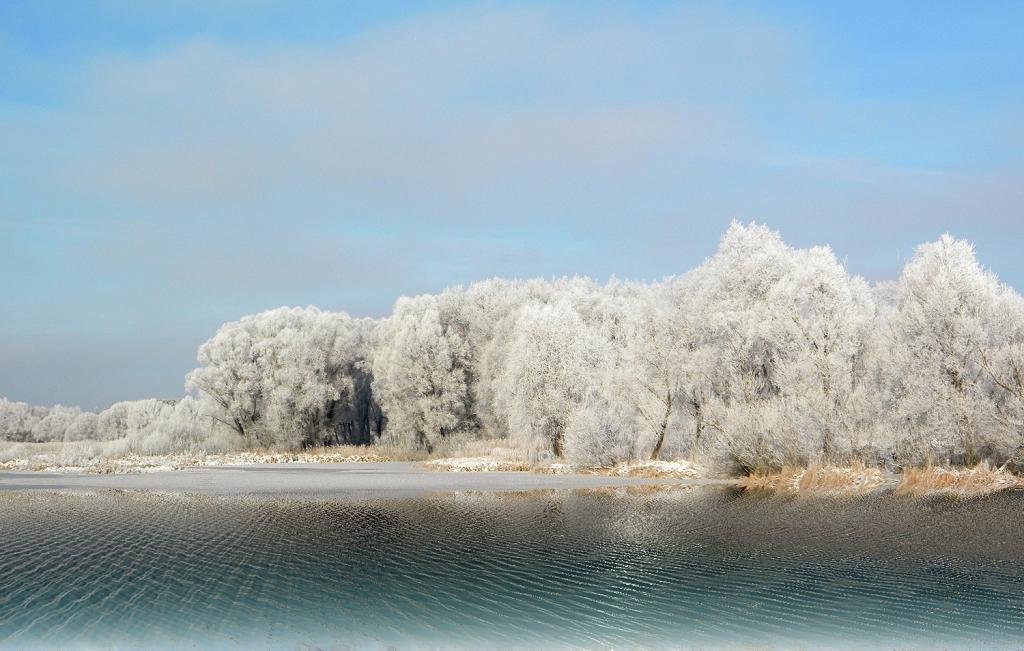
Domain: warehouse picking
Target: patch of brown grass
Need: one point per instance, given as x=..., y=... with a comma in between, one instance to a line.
x=962, y=482
x=817, y=479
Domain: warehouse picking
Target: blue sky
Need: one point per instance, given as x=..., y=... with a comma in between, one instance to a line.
x=167, y=168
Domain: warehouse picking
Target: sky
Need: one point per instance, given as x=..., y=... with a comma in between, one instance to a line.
x=167, y=167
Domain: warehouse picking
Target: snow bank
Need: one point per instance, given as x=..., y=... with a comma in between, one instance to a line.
x=650, y=469
x=133, y=463
x=475, y=464
x=671, y=469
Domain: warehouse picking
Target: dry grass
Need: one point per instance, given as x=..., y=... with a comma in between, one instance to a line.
x=858, y=479
x=479, y=448
x=818, y=479
x=964, y=482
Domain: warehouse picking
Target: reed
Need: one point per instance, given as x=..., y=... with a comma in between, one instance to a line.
x=817, y=478
x=983, y=479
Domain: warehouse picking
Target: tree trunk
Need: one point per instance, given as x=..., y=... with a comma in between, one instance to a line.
x=827, y=446
x=329, y=422
x=970, y=453
x=424, y=442
x=664, y=427
x=698, y=417
x=245, y=435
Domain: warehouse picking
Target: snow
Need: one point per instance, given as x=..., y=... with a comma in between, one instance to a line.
x=665, y=469
x=133, y=463
x=319, y=481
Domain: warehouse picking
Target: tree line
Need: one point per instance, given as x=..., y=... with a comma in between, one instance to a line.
x=764, y=355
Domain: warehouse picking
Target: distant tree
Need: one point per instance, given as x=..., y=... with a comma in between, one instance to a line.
x=85, y=427
x=17, y=419
x=53, y=426
x=123, y=418
x=180, y=426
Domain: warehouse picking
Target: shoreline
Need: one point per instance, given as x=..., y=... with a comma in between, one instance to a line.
x=355, y=479
x=372, y=476
x=857, y=479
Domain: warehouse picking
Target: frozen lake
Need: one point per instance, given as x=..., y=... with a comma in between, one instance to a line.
x=623, y=567
x=318, y=480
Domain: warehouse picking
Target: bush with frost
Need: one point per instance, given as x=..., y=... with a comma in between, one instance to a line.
x=599, y=435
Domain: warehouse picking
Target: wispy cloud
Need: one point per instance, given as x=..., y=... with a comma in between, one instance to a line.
x=437, y=112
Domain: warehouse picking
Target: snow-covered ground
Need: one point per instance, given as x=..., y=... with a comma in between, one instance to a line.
x=71, y=458
x=322, y=481
x=673, y=469
x=134, y=463
x=814, y=480
x=475, y=464
x=667, y=469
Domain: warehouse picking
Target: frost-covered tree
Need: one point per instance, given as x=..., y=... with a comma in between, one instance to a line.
x=484, y=312
x=776, y=341
x=943, y=329
x=123, y=418
x=419, y=373
x=653, y=349
x=180, y=426
x=85, y=427
x=1003, y=371
x=601, y=431
x=18, y=418
x=695, y=403
x=822, y=377
x=53, y=426
x=552, y=364
x=280, y=377
x=744, y=294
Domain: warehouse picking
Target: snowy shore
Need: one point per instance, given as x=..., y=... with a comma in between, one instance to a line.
x=362, y=480
x=339, y=473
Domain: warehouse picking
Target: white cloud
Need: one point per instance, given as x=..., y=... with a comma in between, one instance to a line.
x=445, y=112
